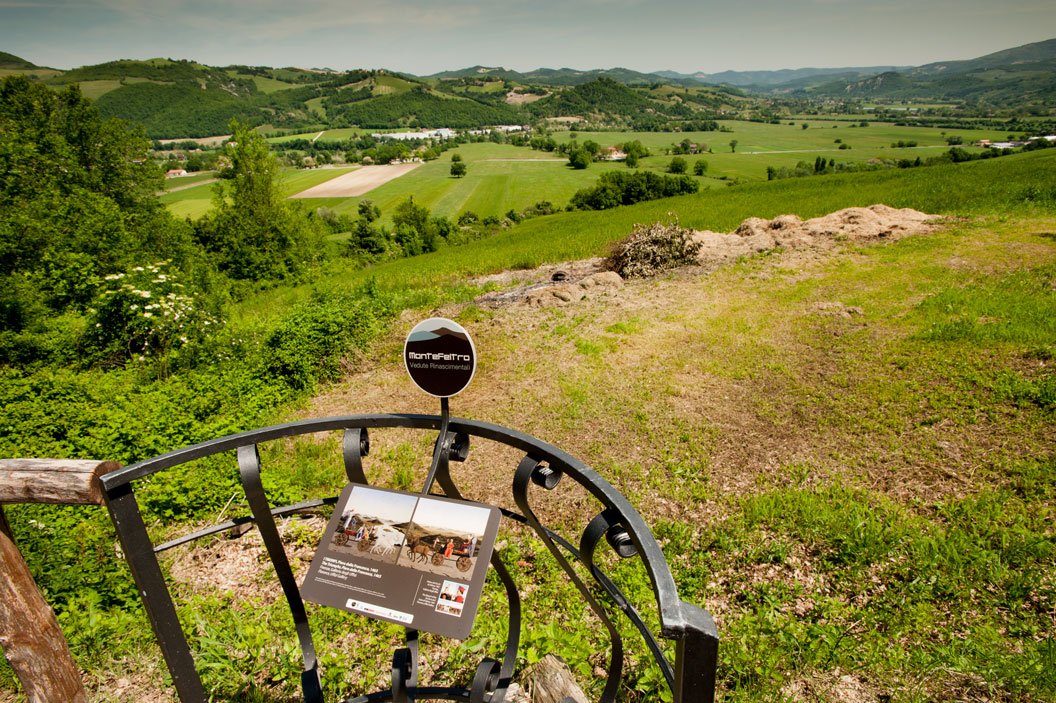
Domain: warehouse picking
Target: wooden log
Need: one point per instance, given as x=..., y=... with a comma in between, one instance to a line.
x=66, y=481
x=30, y=634
x=551, y=681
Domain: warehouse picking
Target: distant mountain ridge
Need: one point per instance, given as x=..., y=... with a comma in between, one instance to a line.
x=745, y=79
x=560, y=76
x=1023, y=77
x=181, y=98
x=1035, y=53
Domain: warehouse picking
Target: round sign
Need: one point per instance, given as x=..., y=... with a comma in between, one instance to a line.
x=440, y=357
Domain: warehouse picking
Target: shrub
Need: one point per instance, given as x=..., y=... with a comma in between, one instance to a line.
x=311, y=342
x=615, y=188
x=144, y=312
x=653, y=248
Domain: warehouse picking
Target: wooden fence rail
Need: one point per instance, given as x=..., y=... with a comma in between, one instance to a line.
x=29, y=633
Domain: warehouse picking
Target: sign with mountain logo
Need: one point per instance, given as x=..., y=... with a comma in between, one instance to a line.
x=440, y=357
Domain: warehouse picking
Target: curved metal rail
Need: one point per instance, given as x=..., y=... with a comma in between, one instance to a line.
x=691, y=676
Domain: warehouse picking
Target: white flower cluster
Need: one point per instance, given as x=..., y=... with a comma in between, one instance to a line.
x=158, y=315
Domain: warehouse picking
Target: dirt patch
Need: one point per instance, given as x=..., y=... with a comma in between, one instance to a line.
x=553, y=284
x=515, y=98
x=204, y=141
x=358, y=182
x=756, y=235
x=834, y=686
x=239, y=565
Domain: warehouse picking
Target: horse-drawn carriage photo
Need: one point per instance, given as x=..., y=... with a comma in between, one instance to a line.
x=372, y=525
x=445, y=538
x=439, y=549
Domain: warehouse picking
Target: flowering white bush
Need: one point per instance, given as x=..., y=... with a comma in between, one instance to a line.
x=145, y=312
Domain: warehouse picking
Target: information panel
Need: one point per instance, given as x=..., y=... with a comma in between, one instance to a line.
x=410, y=559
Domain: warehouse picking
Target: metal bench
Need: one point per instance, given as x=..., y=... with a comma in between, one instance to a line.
x=690, y=673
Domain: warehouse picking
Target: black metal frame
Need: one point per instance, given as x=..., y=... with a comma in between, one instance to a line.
x=691, y=676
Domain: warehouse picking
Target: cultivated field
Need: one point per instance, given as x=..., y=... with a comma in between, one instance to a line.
x=499, y=178
x=195, y=201
x=357, y=182
x=760, y=145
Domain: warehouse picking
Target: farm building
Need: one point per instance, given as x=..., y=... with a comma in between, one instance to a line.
x=442, y=133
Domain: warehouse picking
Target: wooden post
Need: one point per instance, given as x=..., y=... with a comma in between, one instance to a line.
x=551, y=681
x=29, y=633
x=65, y=481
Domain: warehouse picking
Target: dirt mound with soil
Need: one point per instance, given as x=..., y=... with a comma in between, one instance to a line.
x=571, y=282
x=854, y=224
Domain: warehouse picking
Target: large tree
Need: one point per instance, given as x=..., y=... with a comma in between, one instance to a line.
x=254, y=232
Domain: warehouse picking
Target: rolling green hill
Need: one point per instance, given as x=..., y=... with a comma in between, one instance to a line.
x=14, y=62
x=1037, y=53
x=564, y=76
x=1021, y=79
x=11, y=65
x=605, y=100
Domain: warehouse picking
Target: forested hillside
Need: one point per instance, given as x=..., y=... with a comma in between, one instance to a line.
x=180, y=98
x=417, y=108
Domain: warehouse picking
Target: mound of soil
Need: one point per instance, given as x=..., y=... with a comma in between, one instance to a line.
x=788, y=231
x=571, y=282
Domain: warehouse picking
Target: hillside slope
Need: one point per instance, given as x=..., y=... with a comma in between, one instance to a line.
x=823, y=442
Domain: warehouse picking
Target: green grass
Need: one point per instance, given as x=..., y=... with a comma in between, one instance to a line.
x=293, y=137
x=499, y=178
x=265, y=84
x=96, y=89
x=198, y=200
x=190, y=202
x=337, y=135
x=782, y=145
x=296, y=180
x=994, y=187
x=316, y=105
x=385, y=84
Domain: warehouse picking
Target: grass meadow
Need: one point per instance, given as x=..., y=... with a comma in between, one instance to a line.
x=1007, y=184
x=194, y=179
x=195, y=201
x=783, y=145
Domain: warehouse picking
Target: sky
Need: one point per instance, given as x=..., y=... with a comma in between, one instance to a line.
x=427, y=36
